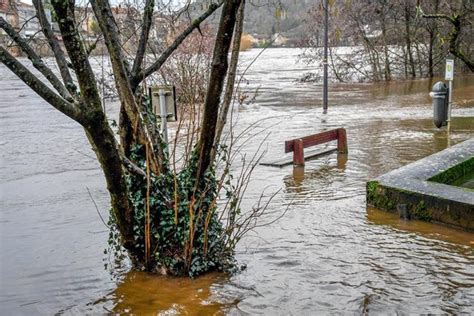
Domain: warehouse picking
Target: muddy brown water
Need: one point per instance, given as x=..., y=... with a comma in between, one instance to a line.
x=328, y=254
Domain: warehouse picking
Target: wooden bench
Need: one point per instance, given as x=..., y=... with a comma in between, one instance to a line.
x=297, y=145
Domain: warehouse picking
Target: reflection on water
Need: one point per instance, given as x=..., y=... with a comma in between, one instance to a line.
x=328, y=254
x=299, y=172
x=437, y=232
x=142, y=293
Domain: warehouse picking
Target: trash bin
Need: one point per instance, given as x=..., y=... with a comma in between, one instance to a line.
x=440, y=96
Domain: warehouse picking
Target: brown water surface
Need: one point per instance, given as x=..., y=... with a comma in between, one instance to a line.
x=329, y=253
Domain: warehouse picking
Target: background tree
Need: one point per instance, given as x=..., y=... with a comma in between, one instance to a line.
x=460, y=27
x=393, y=39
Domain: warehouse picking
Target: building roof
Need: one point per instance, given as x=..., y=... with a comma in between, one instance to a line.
x=8, y=6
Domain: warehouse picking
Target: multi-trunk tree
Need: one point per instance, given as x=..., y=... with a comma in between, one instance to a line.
x=164, y=217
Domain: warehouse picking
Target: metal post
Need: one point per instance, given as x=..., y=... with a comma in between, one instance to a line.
x=163, y=115
x=325, y=59
x=450, y=101
x=449, y=75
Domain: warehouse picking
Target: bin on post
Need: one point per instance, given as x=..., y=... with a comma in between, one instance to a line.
x=439, y=94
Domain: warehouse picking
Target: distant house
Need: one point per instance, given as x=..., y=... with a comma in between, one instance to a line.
x=9, y=13
x=161, y=31
x=22, y=16
x=279, y=40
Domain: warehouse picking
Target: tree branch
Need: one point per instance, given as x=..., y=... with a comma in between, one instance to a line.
x=147, y=21
x=131, y=167
x=216, y=82
x=438, y=16
x=145, y=131
x=77, y=54
x=140, y=76
x=38, y=86
x=93, y=45
x=454, y=47
x=109, y=29
x=26, y=23
x=36, y=60
x=55, y=47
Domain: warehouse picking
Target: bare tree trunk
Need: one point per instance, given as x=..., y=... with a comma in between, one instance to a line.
x=387, y=70
x=229, y=90
x=408, y=38
x=432, y=31
x=95, y=123
x=430, y=54
x=373, y=62
x=377, y=58
x=105, y=146
x=405, y=61
x=419, y=57
x=216, y=82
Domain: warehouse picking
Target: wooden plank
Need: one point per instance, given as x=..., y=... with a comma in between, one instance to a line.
x=285, y=161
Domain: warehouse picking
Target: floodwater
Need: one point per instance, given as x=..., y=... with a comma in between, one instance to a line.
x=328, y=254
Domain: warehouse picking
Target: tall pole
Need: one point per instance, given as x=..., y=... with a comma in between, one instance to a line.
x=449, y=75
x=325, y=60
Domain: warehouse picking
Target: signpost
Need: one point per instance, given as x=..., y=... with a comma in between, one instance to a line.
x=163, y=100
x=449, y=75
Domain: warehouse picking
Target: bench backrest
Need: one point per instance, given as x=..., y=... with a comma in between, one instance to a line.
x=314, y=140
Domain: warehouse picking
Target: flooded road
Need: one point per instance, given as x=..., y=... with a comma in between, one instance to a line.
x=329, y=253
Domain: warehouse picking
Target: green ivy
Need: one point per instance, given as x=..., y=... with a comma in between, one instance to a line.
x=169, y=239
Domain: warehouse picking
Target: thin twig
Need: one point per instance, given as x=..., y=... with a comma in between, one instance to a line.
x=96, y=208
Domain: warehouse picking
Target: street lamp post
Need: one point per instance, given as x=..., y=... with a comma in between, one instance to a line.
x=325, y=59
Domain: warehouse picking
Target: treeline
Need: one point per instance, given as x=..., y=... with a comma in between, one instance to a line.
x=391, y=39
x=264, y=18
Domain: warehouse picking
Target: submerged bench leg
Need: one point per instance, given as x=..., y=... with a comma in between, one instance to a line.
x=298, y=153
x=341, y=141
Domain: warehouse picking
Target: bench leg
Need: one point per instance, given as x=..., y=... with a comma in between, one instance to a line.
x=342, y=141
x=298, y=153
